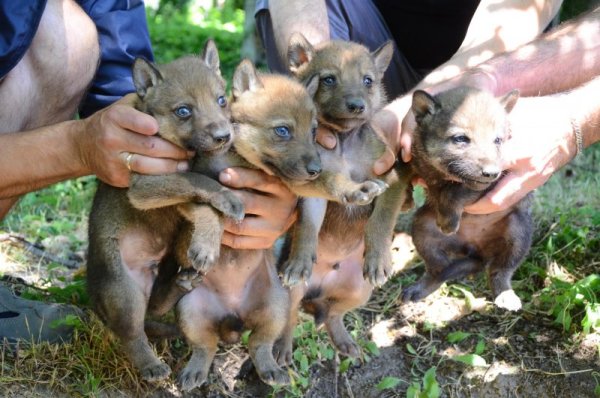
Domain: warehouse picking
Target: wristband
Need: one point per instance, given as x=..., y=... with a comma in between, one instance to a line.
x=578, y=137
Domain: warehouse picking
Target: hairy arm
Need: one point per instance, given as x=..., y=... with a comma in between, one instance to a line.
x=543, y=140
x=547, y=65
x=97, y=145
x=313, y=23
x=496, y=27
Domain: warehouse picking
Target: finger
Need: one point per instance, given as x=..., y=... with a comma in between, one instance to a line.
x=509, y=190
x=405, y=147
x=385, y=162
x=131, y=119
x=240, y=177
x=154, y=166
x=260, y=226
x=245, y=242
x=155, y=147
x=326, y=138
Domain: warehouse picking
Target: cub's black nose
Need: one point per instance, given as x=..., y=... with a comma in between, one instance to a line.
x=313, y=168
x=356, y=105
x=222, y=138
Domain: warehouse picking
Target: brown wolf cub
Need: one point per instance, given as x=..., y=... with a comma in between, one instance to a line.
x=349, y=93
x=457, y=150
x=275, y=124
x=131, y=230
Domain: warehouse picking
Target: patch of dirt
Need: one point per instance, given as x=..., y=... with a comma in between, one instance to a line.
x=526, y=355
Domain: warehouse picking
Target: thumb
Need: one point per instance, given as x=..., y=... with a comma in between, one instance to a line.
x=326, y=138
x=385, y=162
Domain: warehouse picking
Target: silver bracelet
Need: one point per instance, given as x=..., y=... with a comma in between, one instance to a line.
x=578, y=136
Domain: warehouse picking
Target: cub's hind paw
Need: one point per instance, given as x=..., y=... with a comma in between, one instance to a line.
x=274, y=377
x=508, y=300
x=189, y=379
x=156, y=372
x=188, y=278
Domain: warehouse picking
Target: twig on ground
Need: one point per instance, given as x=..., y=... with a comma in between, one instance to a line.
x=20, y=241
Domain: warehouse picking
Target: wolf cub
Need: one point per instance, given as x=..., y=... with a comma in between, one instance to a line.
x=457, y=150
x=349, y=93
x=131, y=230
x=275, y=123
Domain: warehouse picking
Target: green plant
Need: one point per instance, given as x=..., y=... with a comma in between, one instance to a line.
x=568, y=301
x=427, y=388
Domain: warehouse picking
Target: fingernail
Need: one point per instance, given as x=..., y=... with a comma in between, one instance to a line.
x=183, y=166
x=225, y=177
x=403, y=155
x=379, y=166
x=330, y=141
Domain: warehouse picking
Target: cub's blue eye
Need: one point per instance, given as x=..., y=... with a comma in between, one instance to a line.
x=367, y=81
x=329, y=80
x=222, y=101
x=282, y=131
x=498, y=141
x=461, y=139
x=183, y=112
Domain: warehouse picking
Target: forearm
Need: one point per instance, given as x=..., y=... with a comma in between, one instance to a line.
x=559, y=61
x=308, y=17
x=33, y=159
x=496, y=27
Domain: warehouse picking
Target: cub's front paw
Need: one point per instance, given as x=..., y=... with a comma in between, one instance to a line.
x=203, y=253
x=229, y=204
x=366, y=192
x=377, y=267
x=298, y=268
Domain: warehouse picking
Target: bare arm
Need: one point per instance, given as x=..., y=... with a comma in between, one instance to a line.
x=543, y=140
x=37, y=158
x=496, y=27
x=308, y=17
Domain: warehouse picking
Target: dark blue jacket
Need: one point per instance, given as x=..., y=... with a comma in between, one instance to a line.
x=122, y=31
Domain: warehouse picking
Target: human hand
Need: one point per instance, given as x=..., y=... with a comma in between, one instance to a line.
x=270, y=209
x=538, y=147
x=120, y=139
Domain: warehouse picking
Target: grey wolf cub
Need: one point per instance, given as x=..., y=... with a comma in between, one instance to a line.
x=457, y=150
x=131, y=231
x=349, y=93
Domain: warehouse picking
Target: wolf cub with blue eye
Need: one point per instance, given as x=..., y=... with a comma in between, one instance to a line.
x=457, y=147
x=132, y=230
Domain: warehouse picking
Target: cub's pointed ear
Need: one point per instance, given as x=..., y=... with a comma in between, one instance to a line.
x=383, y=57
x=300, y=52
x=424, y=104
x=210, y=56
x=245, y=78
x=509, y=100
x=312, y=85
x=145, y=75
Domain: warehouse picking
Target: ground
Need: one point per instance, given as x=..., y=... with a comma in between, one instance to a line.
x=521, y=354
